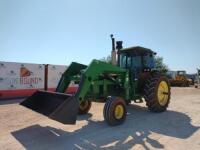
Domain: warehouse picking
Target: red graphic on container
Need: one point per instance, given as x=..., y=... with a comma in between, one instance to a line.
x=24, y=72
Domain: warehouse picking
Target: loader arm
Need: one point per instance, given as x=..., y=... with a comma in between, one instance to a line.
x=91, y=74
x=67, y=76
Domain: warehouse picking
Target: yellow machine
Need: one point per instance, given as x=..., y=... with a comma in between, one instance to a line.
x=180, y=79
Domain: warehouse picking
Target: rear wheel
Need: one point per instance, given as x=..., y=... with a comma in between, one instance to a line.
x=115, y=111
x=84, y=107
x=157, y=93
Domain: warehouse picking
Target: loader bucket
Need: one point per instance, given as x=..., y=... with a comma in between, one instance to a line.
x=57, y=106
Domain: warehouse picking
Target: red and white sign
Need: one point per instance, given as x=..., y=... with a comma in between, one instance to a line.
x=23, y=79
x=20, y=78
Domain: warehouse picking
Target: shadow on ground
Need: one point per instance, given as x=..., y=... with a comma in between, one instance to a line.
x=98, y=135
x=10, y=101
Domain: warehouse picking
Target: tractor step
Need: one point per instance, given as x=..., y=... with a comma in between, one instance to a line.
x=57, y=106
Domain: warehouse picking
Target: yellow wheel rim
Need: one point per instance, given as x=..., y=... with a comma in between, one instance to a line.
x=119, y=111
x=83, y=105
x=163, y=93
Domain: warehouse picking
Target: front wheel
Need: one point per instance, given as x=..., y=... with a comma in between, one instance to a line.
x=115, y=111
x=84, y=107
x=157, y=93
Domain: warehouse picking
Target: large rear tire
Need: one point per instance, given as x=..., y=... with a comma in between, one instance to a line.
x=157, y=93
x=84, y=107
x=115, y=111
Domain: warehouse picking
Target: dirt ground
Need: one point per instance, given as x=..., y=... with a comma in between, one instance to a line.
x=177, y=128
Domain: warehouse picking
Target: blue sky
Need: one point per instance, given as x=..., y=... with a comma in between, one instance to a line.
x=62, y=31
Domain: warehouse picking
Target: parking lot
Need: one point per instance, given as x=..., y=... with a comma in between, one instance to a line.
x=177, y=128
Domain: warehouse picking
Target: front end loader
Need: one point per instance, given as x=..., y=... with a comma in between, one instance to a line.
x=130, y=76
x=180, y=79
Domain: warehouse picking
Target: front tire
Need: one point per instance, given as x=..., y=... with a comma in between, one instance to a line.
x=115, y=111
x=157, y=93
x=84, y=107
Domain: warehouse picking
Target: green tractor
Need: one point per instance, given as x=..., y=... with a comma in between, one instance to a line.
x=130, y=76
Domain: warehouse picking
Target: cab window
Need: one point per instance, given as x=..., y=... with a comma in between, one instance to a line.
x=136, y=62
x=122, y=61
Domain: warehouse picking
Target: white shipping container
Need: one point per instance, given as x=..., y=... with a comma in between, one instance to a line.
x=23, y=79
x=54, y=74
x=14, y=76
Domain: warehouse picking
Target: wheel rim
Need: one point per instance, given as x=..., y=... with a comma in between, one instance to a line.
x=163, y=93
x=83, y=105
x=119, y=111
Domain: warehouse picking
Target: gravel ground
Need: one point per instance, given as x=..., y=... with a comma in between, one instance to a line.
x=177, y=128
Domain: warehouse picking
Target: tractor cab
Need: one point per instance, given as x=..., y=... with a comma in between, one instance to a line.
x=138, y=59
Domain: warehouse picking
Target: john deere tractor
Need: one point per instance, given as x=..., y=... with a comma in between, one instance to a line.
x=130, y=77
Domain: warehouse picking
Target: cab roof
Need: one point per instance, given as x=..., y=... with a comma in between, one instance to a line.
x=137, y=50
